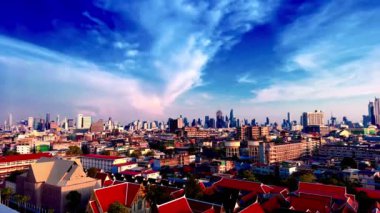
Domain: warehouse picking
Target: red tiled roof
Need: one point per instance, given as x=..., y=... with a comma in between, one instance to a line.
x=106, y=157
x=94, y=207
x=351, y=202
x=178, y=193
x=336, y=192
x=373, y=194
x=311, y=203
x=198, y=206
x=125, y=164
x=108, y=183
x=179, y=205
x=149, y=171
x=239, y=184
x=272, y=204
x=11, y=158
x=255, y=207
x=131, y=173
x=249, y=196
x=124, y=193
x=103, y=177
x=133, y=189
x=108, y=195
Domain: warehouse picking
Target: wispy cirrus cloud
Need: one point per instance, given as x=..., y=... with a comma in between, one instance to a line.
x=148, y=67
x=246, y=78
x=337, y=47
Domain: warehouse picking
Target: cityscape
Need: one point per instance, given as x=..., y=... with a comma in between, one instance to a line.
x=189, y=106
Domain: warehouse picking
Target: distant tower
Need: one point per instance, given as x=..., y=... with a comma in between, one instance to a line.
x=10, y=121
x=288, y=117
x=30, y=122
x=219, y=119
x=80, y=121
x=47, y=124
x=376, y=111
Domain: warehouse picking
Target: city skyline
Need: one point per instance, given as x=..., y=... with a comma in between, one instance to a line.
x=151, y=60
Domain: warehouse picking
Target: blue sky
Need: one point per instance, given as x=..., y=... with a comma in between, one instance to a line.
x=148, y=59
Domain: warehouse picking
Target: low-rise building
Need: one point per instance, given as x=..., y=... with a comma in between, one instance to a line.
x=49, y=180
x=23, y=149
x=102, y=162
x=232, y=148
x=12, y=163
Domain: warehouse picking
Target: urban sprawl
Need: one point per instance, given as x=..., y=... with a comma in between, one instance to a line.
x=219, y=164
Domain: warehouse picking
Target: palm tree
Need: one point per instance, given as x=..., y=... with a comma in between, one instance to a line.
x=6, y=194
x=74, y=199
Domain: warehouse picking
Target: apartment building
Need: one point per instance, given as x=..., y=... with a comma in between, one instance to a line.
x=359, y=152
x=12, y=163
x=232, y=148
x=102, y=162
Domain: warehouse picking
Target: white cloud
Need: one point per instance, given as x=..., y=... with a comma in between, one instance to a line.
x=181, y=38
x=338, y=48
x=246, y=79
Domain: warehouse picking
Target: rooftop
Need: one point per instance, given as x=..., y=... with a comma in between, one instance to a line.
x=12, y=158
x=106, y=157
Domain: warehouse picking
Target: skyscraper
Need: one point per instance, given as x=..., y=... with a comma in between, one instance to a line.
x=312, y=118
x=207, y=122
x=371, y=113
x=80, y=121
x=47, y=123
x=10, y=120
x=232, y=119
x=219, y=119
x=30, y=122
x=87, y=121
x=376, y=111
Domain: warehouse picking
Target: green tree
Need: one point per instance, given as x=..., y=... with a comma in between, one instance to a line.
x=74, y=150
x=91, y=172
x=136, y=154
x=149, y=154
x=292, y=183
x=365, y=203
x=117, y=207
x=248, y=175
x=308, y=177
x=6, y=194
x=193, y=189
x=21, y=199
x=348, y=162
x=155, y=195
x=10, y=152
x=73, y=201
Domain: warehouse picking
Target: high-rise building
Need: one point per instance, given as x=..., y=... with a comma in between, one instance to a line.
x=219, y=119
x=207, y=122
x=30, y=122
x=80, y=121
x=371, y=113
x=312, y=118
x=47, y=121
x=70, y=123
x=86, y=123
x=212, y=123
x=10, y=121
x=232, y=119
x=180, y=122
x=376, y=111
